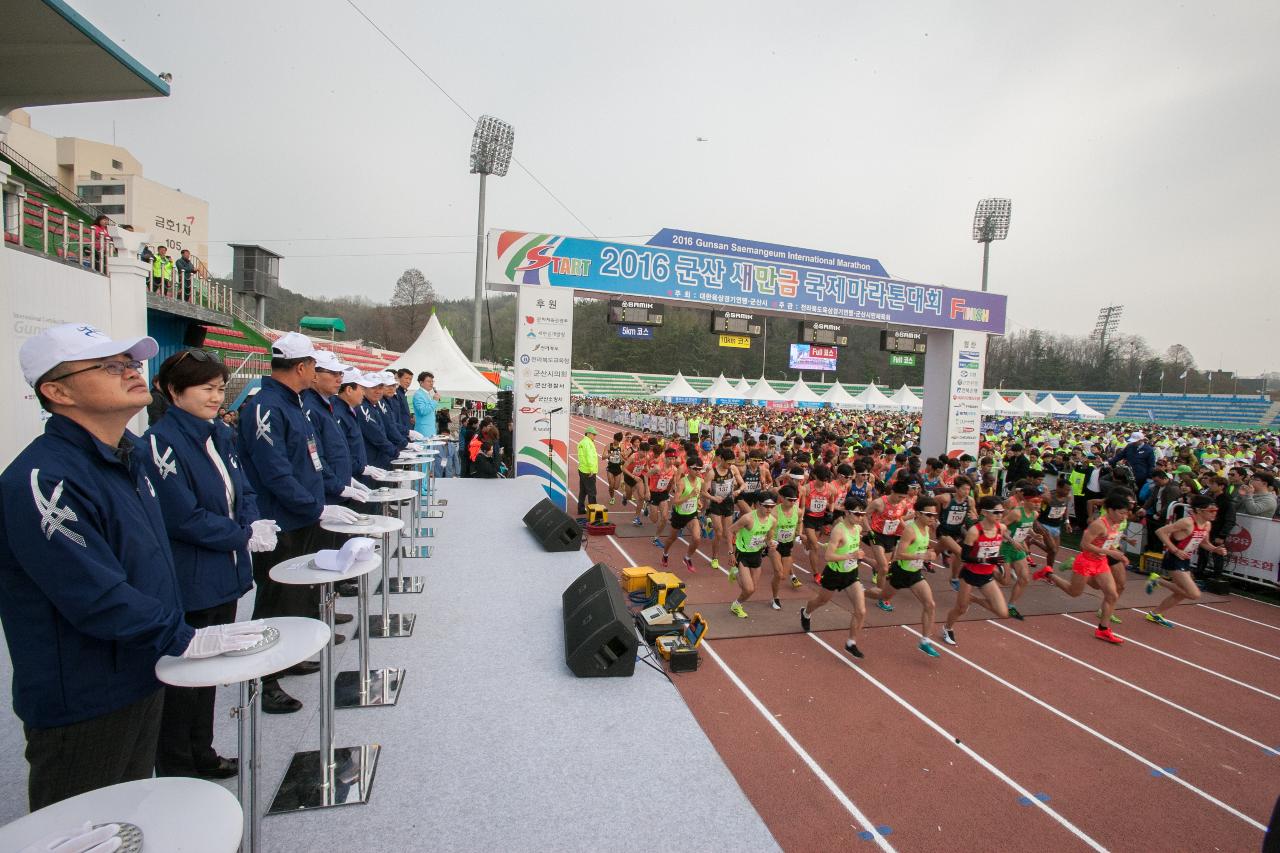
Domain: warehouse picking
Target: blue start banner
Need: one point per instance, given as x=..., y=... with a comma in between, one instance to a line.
x=712, y=280
x=674, y=238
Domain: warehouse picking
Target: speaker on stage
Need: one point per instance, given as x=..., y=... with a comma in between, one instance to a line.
x=553, y=527
x=599, y=637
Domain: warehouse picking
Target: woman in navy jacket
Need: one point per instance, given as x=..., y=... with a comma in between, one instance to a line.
x=209, y=509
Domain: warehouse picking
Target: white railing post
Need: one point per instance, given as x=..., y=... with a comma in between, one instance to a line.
x=44, y=226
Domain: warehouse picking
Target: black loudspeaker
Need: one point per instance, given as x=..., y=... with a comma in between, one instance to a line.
x=599, y=638
x=194, y=336
x=553, y=527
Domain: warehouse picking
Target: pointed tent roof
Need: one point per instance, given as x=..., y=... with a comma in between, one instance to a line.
x=837, y=396
x=677, y=387
x=436, y=351
x=905, y=397
x=721, y=388
x=997, y=405
x=1024, y=405
x=801, y=393
x=743, y=387
x=1083, y=409
x=762, y=390
x=873, y=397
x=1051, y=405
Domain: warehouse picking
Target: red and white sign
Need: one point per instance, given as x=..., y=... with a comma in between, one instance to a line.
x=1253, y=549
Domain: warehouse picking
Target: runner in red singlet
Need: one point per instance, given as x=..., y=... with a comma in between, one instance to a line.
x=816, y=499
x=1100, y=543
x=1182, y=539
x=981, y=556
x=887, y=515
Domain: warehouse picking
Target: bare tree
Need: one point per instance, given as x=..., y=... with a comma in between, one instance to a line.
x=413, y=298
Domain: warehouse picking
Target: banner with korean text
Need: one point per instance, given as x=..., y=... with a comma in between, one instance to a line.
x=543, y=352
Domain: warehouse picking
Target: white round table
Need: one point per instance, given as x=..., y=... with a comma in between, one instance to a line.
x=175, y=814
x=300, y=638
x=388, y=624
x=311, y=781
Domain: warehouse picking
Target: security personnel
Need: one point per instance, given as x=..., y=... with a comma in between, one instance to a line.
x=281, y=455
x=161, y=270
x=397, y=433
x=211, y=514
x=89, y=596
x=379, y=447
x=588, y=465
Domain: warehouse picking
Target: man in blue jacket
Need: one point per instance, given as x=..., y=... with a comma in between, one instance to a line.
x=280, y=452
x=89, y=596
x=379, y=446
x=1139, y=456
x=397, y=432
x=404, y=412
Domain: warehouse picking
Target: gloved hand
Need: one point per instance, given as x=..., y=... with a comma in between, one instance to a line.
x=416, y=436
x=370, y=471
x=338, y=514
x=84, y=839
x=217, y=639
x=263, y=537
x=356, y=492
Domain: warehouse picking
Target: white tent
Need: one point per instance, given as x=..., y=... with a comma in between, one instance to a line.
x=801, y=393
x=456, y=376
x=905, y=398
x=677, y=387
x=997, y=405
x=837, y=396
x=873, y=398
x=721, y=389
x=1051, y=405
x=743, y=387
x=762, y=390
x=1024, y=405
x=1083, y=409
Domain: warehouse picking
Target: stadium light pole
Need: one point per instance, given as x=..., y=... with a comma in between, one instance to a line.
x=1106, y=324
x=491, y=146
x=990, y=222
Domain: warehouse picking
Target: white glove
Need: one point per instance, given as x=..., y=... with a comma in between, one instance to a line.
x=370, y=471
x=416, y=436
x=356, y=492
x=263, y=537
x=84, y=839
x=338, y=514
x=217, y=639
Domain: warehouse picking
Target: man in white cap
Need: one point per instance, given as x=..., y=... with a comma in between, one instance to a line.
x=89, y=596
x=380, y=446
x=280, y=452
x=1139, y=456
x=397, y=432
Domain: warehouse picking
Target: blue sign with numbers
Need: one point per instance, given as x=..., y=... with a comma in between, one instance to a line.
x=780, y=285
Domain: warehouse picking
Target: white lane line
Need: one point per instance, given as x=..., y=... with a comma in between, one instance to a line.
x=1183, y=626
x=950, y=738
x=813, y=765
x=1255, y=600
x=1267, y=748
x=1151, y=765
x=1183, y=661
x=1238, y=616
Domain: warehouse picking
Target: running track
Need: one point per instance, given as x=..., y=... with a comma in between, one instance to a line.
x=1030, y=734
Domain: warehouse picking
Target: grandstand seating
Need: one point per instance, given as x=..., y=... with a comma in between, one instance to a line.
x=1196, y=409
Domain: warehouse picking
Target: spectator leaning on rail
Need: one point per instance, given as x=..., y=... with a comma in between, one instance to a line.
x=186, y=270
x=1257, y=496
x=211, y=514
x=1139, y=455
x=89, y=596
x=161, y=269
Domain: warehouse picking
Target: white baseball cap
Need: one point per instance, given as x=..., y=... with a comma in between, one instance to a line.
x=359, y=377
x=293, y=345
x=372, y=380
x=76, y=342
x=388, y=378
x=326, y=360
x=1137, y=436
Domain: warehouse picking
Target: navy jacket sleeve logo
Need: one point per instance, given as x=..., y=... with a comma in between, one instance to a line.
x=165, y=463
x=264, y=428
x=54, y=518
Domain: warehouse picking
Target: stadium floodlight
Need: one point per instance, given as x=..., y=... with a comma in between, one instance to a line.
x=1106, y=324
x=991, y=222
x=491, y=146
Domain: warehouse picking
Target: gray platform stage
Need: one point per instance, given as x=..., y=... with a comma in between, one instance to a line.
x=494, y=745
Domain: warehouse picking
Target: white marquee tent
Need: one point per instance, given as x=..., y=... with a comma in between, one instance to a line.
x=873, y=398
x=997, y=405
x=743, y=387
x=721, y=389
x=801, y=393
x=763, y=391
x=837, y=396
x=1083, y=409
x=677, y=387
x=456, y=376
x=1051, y=405
x=905, y=398
x=1024, y=405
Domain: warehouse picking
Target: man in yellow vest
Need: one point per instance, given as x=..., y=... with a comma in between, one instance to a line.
x=588, y=465
x=161, y=270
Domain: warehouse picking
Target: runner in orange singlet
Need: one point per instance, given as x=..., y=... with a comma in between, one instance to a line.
x=1100, y=543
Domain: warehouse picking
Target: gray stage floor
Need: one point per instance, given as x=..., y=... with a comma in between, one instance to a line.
x=494, y=745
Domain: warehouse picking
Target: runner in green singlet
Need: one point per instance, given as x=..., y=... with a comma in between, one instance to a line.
x=684, y=509
x=752, y=532
x=1019, y=524
x=840, y=574
x=910, y=556
x=788, y=516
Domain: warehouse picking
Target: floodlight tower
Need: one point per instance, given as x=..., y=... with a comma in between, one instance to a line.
x=990, y=222
x=491, y=146
x=1106, y=324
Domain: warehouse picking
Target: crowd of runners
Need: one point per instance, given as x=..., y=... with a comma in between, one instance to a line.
x=844, y=491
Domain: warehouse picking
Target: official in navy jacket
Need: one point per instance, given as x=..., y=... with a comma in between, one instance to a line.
x=345, y=403
x=404, y=411
x=89, y=597
x=397, y=434
x=334, y=454
x=209, y=510
x=379, y=448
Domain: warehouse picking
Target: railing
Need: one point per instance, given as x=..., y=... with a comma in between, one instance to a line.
x=49, y=180
x=249, y=320
x=60, y=236
x=193, y=289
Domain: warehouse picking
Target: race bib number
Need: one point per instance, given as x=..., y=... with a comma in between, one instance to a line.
x=722, y=490
x=850, y=564
x=818, y=505
x=315, y=454
x=1112, y=541
x=891, y=525
x=1020, y=535
x=786, y=535
x=1056, y=512
x=757, y=542
x=955, y=516
x=689, y=507
x=663, y=482
x=916, y=565
x=988, y=551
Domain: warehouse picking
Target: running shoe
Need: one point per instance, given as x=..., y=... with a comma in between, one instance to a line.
x=804, y=620
x=1013, y=611
x=875, y=577
x=736, y=610
x=885, y=606
x=715, y=563
x=852, y=648
x=688, y=564
x=949, y=637
x=1159, y=620
x=1043, y=574
x=733, y=574
x=1153, y=580
x=657, y=541
x=1115, y=620
x=645, y=512
x=927, y=647
x=664, y=561
x=612, y=500
x=1105, y=634
x=796, y=583
x=955, y=584
x=636, y=522
x=777, y=605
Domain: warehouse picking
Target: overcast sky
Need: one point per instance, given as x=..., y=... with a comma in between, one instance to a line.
x=1138, y=140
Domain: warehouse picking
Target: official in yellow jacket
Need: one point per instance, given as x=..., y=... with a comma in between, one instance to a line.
x=588, y=465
